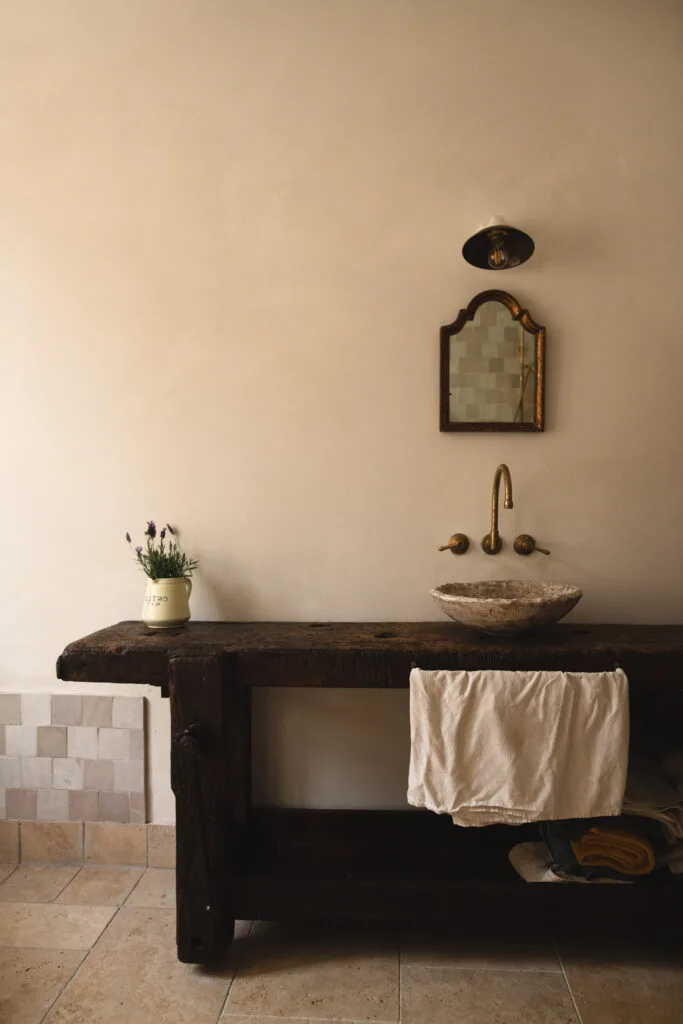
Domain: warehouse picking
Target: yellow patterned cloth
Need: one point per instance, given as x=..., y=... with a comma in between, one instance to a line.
x=625, y=852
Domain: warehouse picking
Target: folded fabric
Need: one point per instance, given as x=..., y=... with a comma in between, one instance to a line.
x=650, y=794
x=533, y=863
x=673, y=859
x=625, y=847
x=511, y=747
x=624, y=852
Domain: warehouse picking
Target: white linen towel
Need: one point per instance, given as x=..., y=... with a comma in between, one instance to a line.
x=510, y=747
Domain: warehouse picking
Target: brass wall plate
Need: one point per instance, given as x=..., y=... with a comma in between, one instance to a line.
x=458, y=544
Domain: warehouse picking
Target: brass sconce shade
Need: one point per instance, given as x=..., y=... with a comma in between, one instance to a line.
x=498, y=246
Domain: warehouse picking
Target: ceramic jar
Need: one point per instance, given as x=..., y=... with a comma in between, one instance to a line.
x=167, y=603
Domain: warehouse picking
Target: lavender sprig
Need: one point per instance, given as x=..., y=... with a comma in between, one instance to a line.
x=160, y=561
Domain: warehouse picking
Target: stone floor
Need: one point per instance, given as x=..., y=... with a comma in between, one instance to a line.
x=95, y=945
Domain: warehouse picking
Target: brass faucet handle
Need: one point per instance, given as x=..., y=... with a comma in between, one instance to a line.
x=526, y=545
x=458, y=544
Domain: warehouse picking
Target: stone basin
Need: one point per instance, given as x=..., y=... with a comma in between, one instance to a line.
x=506, y=606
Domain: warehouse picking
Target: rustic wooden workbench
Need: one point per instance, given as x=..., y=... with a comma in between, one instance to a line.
x=236, y=861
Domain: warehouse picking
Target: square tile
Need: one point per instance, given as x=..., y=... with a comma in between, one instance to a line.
x=441, y=995
x=129, y=777
x=83, y=805
x=98, y=775
x=137, y=744
x=52, y=925
x=2, y=739
x=36, y=883
x=53, y=805
x=97, y=711
x=138, y=811
x=67, y=709
x=21, y=740
x=52, y=841
x=114, y=744
x=10, y=708
x=133, y=975
x=9, y=842
x=81, y=741
x=10, y=772
x=21, y=804
x=303, y=972
x=67, y=773
x=51, y=740
x=156, y=888
x=107, y=843
x=36, y=772
x=35, y=709
x=30, y=981
x=113, y=807
x=128, y=712
x=161, y=846
x=100, y=886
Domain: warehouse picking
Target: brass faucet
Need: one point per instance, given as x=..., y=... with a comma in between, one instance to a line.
x=492, y=542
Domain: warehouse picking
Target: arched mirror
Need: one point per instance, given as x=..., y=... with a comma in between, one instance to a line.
x=492, y=367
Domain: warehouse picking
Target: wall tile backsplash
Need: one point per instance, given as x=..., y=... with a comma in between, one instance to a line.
x=70, y=758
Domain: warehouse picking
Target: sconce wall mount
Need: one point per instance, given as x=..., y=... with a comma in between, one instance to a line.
x=498, y=246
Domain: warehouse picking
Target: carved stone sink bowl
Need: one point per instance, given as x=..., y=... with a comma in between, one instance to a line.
x=506, y=606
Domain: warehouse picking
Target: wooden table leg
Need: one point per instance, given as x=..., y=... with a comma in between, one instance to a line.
x=210, y=731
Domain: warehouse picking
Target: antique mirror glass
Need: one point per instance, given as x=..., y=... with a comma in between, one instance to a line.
x=492, y=367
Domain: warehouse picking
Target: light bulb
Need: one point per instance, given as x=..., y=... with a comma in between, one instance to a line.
x=498, y=257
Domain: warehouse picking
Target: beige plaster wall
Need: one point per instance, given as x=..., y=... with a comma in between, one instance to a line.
x=230, y=233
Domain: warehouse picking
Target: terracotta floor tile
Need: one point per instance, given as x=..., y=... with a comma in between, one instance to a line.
x=156, y=888
x=52, y=926
x=100, y=886
x=36, y=883
x=31, y=979
x=133, y=976
x=443, y=995
x=316, y=973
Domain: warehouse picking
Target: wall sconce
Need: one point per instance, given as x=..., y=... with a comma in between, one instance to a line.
x=498, y=246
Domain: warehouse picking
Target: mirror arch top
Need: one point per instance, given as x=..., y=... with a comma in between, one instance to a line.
x=492, y=374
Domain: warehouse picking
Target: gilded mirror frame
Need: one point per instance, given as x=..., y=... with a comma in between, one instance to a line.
x=523, y=317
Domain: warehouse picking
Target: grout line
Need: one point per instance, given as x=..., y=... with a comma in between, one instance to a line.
x=84, y=961
x=238, y=963
x=15, y=868
x=66, y=984
x=566, y=981
x=125, y=902
x=75, y=875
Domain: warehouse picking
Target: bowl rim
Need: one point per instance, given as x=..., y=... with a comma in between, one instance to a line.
x=567, y=592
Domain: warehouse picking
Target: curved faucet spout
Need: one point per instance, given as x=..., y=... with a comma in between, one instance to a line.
x=492, y=542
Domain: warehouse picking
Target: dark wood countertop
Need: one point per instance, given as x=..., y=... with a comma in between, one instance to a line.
x=367, y=654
